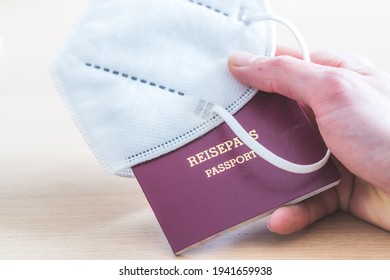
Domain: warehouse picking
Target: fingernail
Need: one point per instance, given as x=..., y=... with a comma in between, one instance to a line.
x=242, y=59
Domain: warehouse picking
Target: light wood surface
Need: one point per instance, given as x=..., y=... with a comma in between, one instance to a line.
x=56, y=202
x=101, y=218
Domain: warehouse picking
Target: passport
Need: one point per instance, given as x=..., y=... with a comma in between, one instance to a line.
x=216, y=183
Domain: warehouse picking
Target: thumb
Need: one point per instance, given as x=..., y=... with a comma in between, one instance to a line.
x=285, y=75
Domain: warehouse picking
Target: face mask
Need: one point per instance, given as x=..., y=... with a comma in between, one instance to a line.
x=142, y=78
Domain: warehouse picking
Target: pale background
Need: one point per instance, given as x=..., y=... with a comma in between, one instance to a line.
x=57, y=203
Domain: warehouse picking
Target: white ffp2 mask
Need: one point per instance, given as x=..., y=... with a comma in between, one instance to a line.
x=142, y=78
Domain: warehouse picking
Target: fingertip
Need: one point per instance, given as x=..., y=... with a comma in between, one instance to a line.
x=279, y=221
x=287, y=220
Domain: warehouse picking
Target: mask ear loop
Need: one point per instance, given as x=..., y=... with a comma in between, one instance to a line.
x=236, y=127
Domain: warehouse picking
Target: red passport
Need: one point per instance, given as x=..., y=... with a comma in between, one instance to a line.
x=216, y=182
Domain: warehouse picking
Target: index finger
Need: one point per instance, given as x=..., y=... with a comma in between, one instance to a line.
x=351, y=61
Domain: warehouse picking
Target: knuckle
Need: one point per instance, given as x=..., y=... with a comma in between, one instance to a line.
x=271, y=70
x=337, y=88
x=282, y=61
x=338, y=82
x=274, y=63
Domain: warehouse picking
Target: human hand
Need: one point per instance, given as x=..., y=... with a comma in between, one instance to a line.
x=350, y=101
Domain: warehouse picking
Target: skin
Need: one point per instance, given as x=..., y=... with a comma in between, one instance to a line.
x=348, y=99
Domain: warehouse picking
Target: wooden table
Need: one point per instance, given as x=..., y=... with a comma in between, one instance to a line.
x=85, y=214
x=56, y=202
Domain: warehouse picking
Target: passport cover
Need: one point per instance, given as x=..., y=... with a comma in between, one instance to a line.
x=216, y=182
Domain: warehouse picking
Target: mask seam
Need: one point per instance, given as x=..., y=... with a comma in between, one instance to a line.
x=133, y=78
x=231, y=108
x=202, y=4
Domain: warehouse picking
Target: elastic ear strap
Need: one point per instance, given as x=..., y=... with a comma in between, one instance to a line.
x=255, y=146
x=298, y=36
x=262, y=151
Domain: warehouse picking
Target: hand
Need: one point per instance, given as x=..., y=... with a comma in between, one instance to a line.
x=350, y=102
